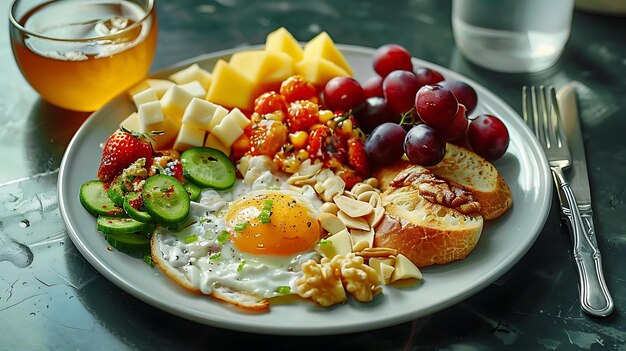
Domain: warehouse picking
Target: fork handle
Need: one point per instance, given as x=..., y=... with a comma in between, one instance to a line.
x=595, y=298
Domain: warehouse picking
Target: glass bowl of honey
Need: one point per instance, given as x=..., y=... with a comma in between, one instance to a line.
x=79, y=54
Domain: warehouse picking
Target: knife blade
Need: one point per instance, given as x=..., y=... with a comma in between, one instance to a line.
x=594, y=294
x=577, y=174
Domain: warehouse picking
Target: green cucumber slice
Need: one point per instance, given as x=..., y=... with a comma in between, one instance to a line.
x=193, y=191
x=208, y=168
x=165, y=199
x=133, y=205
x=94, y=198
x=119, y=225
x=133, y=243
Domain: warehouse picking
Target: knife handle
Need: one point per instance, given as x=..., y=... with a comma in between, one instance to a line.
x=595, y=298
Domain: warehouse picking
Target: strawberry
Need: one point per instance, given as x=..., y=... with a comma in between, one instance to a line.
x=357, y=157
x=120, y=150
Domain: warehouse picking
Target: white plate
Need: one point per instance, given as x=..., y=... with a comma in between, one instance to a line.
x=503, y=242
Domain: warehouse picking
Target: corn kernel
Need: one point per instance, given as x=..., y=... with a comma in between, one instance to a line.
x=346, y=126
x=256, y=118
x=302, y=155
x=275, y=116
x=331, y=124
x=291, y=165
x=325, y=116
x=299, y=139
x=358, y=133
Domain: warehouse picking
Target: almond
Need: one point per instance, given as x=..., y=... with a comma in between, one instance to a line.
x=352, y=207
x=353, y=223
x=331, y=223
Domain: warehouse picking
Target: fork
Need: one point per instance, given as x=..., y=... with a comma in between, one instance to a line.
x=543, y=117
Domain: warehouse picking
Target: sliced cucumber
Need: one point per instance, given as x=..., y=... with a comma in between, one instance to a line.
x=133, y=205
x=208, y=168
x=94, y=198
x=119, y=225
x=134, y=243
x=193, y=191
x=165, y=199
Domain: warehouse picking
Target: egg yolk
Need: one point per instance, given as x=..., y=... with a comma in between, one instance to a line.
x=271, y=224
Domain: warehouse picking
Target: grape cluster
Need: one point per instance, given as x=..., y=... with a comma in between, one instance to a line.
x=414, y=112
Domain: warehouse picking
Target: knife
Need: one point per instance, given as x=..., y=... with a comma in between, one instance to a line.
x=594, y=294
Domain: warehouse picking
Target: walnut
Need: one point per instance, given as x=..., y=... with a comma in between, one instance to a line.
x=321, y=282
x=440, y=192
x=359, y=279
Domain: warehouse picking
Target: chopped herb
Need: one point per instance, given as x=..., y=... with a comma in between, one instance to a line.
x=264, y=217
x=325, y=242
x=148, y=260
x=222, y=237
x=266, y=212
x=240, y=226
x=273, y=188
x=240, y=267
x=190, y=239
x=215, y=256
x=284, y=290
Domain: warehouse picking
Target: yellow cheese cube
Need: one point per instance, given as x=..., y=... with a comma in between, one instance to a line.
x=159, y=86
x=319, y=70
x=219, y=114
x=195, y=89
x=199, y=113
x=405, y=269
x=227, y=131
x=267, y=68
x=337, y=244
x=212, y=142
x=166, y=140
x=190, y=74
x=175, y=101
x=189, y=136
x=150, y=116
x=230, y=88
x=131, y=122
x=239, y=118
x=281, y=40
x=147, y=95
x=323, y=46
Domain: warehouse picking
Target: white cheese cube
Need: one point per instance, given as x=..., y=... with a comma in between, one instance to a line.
x=383, y=266
x=192, y=73
x=150, y=116
x=137, y=88
x=199, y=113
x=227, y=131
x=195, y=89
x=212, y=142
x=189, y=136
x=147, y=95
x=336, y=244
x=166, y=140
x=238, y=117
x=131, y=122
x=159, y=86
x=405, y=269
x=218, y=116
x=175, y=101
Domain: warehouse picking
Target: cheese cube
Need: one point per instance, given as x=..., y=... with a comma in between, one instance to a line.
x=147, y=95
x=159, y=86
x=195, y=89
x=199, y=113
x=212, y=142
x=362, y=235
x=175, y=101
x=239, y=118
x=405, y=269
x=319, y=70
x=230, y=88
x=281, y=40
x=323, y=46
x=192, y=73
x=166, y=140
x=337, y=244
x=219, y=114
x=137, y=88
x=383, y=266
x=131, y=122
x=266, y=68
x=227, y=131
x=150, y=116
x=189, y=136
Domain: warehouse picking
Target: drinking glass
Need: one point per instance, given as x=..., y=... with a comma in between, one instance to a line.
x=79, y=54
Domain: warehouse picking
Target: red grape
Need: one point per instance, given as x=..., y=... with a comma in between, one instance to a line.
x=384, y=145
x=373, y=86
x=427, y=76
x=375, y=112
x=488, y=137
x=436, y=106
x=343, y=93
x=391, y=57
x=463, y=92
x=399, y=88
x=458, y=128
x=424, y=146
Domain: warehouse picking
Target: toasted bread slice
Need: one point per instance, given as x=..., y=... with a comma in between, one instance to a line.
x=238, y=298
x=470, y=171
x=426, y=219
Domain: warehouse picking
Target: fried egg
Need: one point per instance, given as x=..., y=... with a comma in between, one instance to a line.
x=250, y=240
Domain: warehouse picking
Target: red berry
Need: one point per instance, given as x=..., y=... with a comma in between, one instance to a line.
x=373, y=87
x=427, y=76
x=400, y=88
x=391, y=57
x=343, y=93
x=270, y=102
x=436, y=106
x=120, y=151
x=488, y=137
x=296, y=88
x=302, y=115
